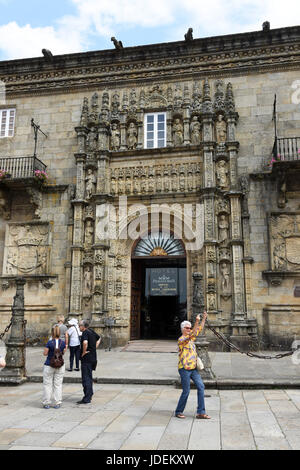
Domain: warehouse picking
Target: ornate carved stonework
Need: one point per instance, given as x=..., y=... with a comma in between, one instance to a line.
x=27, y=249
x=285, y=241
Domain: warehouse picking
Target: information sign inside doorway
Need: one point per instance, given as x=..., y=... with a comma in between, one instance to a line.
x=163, y=281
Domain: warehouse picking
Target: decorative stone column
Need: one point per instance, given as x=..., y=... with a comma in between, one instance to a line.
x=201, y=342
x=103, y=181
x=123, y=145
x=78, y=231
x=15, y=372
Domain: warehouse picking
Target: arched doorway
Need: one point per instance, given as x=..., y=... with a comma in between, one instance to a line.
x=158, y=287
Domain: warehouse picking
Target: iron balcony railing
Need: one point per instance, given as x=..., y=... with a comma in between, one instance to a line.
x=286, y=148
x=21, y=167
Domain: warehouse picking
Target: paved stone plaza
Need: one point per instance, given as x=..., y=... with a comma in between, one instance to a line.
x=127, y=417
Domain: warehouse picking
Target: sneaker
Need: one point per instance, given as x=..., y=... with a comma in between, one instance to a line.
x=77, y=370
x=46, y=407
x=70, y=370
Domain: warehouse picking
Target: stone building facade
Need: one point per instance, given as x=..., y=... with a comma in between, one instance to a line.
x=158, y=164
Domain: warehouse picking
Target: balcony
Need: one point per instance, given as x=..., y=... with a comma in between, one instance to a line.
x=21, y=167
x=20, y=171
x=286, y=149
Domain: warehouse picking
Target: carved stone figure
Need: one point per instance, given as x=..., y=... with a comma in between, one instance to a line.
x=222, y=173
x=115, y=137
x=189, y=35
x=89, y=233
x=195, y=131
x=92, y=140
x=177, y=133
x=225, y=278
x=90, y=182
x=131, y=136
x=118, y=44
x=223, y=228
x=87, y=280
x=221, y=130
x=211, y=302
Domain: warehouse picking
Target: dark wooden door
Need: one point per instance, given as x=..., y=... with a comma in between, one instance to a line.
x=136, y=286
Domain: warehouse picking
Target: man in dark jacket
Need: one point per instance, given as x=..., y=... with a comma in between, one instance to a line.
x=90, y=340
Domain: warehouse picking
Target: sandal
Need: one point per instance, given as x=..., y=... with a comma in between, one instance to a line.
x=202, y=417
x=180, y=415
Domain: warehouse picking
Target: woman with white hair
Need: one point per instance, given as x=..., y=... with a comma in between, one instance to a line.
x=187, y=367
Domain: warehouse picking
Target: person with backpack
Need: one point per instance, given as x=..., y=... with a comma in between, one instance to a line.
x=54, y=369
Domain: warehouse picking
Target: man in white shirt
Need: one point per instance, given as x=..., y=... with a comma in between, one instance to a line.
x=73, y=335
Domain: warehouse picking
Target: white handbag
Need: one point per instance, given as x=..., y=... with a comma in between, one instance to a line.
x=200, y=365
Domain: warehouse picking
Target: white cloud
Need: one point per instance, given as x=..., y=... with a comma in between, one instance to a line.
x=24, y=41
x=105, y=18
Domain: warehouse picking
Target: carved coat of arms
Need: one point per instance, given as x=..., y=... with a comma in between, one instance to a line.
x=26, y=249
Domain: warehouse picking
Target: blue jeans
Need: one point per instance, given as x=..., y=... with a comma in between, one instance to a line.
x=186, y=376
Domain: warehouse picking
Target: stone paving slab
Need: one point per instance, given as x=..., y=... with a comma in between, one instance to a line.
x=232, y=370
x=240, y=420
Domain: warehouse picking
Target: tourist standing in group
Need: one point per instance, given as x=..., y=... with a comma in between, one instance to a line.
x=73, y=335
x=187, y=366
x=53, y=374
x=62, y=327
x=90, y=340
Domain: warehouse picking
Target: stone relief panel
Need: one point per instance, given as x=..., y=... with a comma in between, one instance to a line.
x=27, y=249
x=284, y=241
x=184, y=177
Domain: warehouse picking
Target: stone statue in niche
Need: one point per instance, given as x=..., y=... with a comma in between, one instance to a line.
x=211, y=302
x=115, y=137
x=223, y=226
x=90, y=182
x=132, y=136
x=92, y=139
x=87, y=280
x=195, y=131
x=89, y=233
x=221, y=130
x=222, y=172
x=225, y=277
x=177, y=133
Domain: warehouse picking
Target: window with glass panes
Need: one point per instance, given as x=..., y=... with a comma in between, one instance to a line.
x=7, y=122
x=155, y=130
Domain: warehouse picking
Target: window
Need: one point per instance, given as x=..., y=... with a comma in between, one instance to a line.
x=7, y=122
x=155, y=130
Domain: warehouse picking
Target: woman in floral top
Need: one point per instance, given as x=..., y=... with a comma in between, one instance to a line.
x=187, y=367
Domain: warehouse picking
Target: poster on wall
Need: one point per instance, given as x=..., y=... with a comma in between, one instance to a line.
x=163, y=281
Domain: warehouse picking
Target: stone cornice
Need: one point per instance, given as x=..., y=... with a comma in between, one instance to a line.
x=228, y=55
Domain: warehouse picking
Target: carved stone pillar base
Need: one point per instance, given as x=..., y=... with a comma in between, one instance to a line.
x=202, y=351
x=15, y=373
x=240, y=336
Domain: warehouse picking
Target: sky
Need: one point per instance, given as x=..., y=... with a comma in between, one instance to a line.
x=68, y=26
